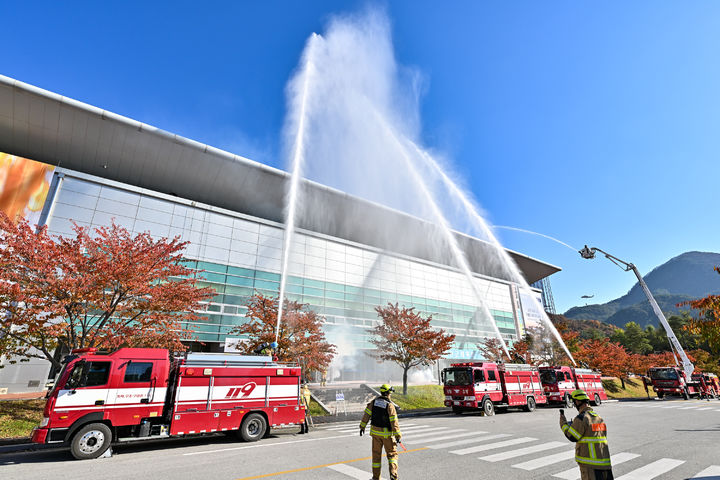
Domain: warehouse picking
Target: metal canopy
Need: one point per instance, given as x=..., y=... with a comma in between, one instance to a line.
x=57, y=130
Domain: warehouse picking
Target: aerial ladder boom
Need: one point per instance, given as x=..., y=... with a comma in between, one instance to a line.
x=688, y=367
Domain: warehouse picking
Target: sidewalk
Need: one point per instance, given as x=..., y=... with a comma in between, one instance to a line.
x=23, y=396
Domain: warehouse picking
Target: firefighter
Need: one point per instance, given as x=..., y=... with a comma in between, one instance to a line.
x=384, y=430
x=305, y=393
x=589, y=433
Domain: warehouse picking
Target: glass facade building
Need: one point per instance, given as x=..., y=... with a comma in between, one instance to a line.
x=236, y=255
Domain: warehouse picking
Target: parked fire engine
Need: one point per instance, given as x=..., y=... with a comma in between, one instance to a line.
x=559, y=382
x=143, y=393
x=488, y=385
x=673, y=381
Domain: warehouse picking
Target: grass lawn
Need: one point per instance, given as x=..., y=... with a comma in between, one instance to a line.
x=19, y=417
x=633, y=389
x=419, y=396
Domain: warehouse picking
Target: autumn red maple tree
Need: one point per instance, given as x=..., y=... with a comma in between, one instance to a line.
x=301, y=338
x=104, y=288
x=707, y=324
x=492, y=350
x=403, y=336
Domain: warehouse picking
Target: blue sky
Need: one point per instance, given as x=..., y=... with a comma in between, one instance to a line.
x=593, y=123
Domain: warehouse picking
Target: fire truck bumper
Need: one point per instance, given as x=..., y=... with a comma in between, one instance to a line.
x=39, y=435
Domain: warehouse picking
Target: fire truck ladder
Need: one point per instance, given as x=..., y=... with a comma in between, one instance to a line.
x=688, y=367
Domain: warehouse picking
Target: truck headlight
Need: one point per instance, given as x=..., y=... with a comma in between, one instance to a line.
x=44, y=422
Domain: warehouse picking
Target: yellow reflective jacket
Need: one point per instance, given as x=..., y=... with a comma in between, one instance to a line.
x=394, y=430
x=589, y=432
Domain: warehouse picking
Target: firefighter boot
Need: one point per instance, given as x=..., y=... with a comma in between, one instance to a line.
x=392, y=456
x=377, y=446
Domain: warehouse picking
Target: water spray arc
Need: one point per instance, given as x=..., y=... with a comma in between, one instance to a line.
x=298, y=160
x=515, y=229
x=480, y=222
x=458, y=254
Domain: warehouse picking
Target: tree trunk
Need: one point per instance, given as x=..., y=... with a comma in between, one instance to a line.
x=622, y=382
x=405, y=370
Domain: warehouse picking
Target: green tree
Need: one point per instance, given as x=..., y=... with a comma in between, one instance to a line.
x=635, y=339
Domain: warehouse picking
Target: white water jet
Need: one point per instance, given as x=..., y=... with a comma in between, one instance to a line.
x=298, y=160
x=515, y=229
x=502, y=253
x=457, y=252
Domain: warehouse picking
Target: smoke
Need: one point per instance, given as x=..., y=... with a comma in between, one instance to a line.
x=422, y=376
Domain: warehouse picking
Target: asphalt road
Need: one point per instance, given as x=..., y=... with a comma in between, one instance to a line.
x=671, y=439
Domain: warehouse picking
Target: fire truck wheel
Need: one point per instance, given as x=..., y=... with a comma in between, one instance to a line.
x=568, y=401
x=90, y=441
x=660, y=394
x=597, y=400
x=530, y=405
x=488, y=408
x=253, y=427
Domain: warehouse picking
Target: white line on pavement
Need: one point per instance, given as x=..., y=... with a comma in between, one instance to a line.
x=266, y=445
x=492, y=446
x=428, y=432
x=617, y=459
x=519, y=452
x=545, y=461
x=350, y=471
x=477, y=439
x=448, y=437
x=652, y=470
x=713, y=471
x=706, y=408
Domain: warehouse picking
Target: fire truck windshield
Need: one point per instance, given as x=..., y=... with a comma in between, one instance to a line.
x=548, y=376
x=457, y=376
x=664, y=374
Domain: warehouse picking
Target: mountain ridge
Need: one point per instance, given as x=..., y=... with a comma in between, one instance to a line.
x=684, y=277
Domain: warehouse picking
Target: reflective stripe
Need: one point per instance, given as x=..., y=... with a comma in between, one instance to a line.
x=362, y=424
x=377, y=465
x=592, y=450
x=393, y=418
x=392, y=460
x=567, y=428
x=593, y=440
x=592, y=461
x=368, y=411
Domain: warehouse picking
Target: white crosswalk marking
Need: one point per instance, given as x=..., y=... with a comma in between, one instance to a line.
x=617, y=459
x=448, y=437
x=492, y=446
x=713, y=471
x=348, y=429
x=429, y=432
x=522, y=451
x=477, y=439
x=546, y=460
x=687, y=408
x=706, y=408
x=652, y=470
x=350, y=471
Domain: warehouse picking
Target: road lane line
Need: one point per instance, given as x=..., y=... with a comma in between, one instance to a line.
x=713, y=471
x=652, y=470
x=492, y=446
x=449, y=437
x=706, y=408
x=688, y=408
x=480, y=438
x=350, y=471
x=545, y=461
x=263, y=445
x=519, y=452
x=617, y=459
x=435, y=431
x=315, y=467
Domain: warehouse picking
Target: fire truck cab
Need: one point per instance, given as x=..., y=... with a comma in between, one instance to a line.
x=672, y=381
x=142, y=393
x=560, y=381
x=709, y=384
x=487, y=385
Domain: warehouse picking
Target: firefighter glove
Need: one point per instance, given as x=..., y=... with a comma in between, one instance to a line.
x=397, y=439
x=362, y=431
x=563, y=420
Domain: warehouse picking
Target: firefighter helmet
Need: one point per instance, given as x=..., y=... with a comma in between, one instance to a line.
x=385, y=388
x=579, y=395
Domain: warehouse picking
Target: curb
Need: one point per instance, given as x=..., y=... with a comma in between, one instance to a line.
x=29, y=447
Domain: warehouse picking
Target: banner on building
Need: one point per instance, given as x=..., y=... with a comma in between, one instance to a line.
x=24, y=186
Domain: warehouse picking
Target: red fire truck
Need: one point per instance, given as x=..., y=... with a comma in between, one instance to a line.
x=673, y=381
x=488, y=385
x=559, y=382
x=709, y=384
x=142, y=393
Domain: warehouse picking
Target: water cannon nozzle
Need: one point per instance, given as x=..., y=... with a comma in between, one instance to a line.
x=587, y=252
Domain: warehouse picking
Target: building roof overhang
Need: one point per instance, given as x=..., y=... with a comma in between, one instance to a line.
x=51, y=128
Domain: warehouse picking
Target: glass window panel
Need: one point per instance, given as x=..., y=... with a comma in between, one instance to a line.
x=242, y=281
x=314, y=283
x=212, y=267
x=331, y=294
x=212, y=277
x=267, y=285
x=246, y=272
x=295, y=280
x=237, y=291
x=313, y=291
x=268, y=293
x=334, y=286
x=236, y=299
x=267, y=276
